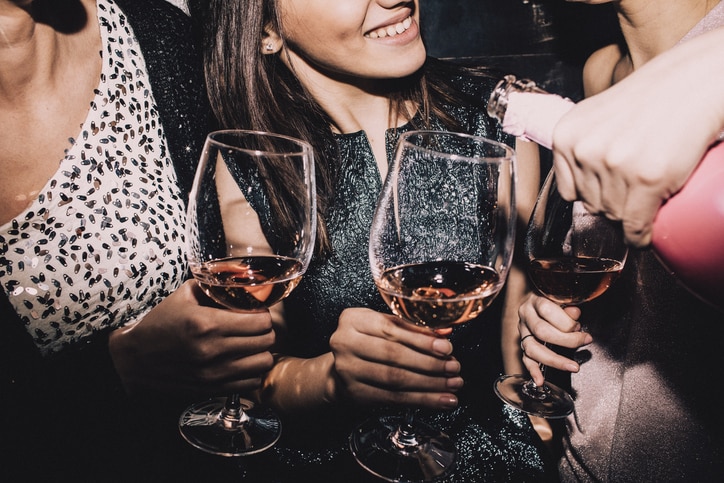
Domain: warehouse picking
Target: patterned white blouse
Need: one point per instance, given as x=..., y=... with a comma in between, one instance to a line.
x=104, y=240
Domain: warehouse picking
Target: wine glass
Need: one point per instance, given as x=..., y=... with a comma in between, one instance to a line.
x=242, y=266
x=573, y=257
x=440, y=249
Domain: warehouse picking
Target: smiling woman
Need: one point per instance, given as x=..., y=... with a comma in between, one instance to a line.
x=350, y=77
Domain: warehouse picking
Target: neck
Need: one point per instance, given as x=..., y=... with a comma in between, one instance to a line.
x=352, y=106
x=357, y=110
x=353, y=103
x=36, y=36
x=651, y=27
x=361, y=112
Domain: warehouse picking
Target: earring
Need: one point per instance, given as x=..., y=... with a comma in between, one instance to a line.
x=269, y=47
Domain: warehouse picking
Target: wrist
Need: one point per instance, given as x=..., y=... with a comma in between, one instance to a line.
x=296, y=384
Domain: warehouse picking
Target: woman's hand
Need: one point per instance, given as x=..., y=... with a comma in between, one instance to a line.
x=548, y=322
x=184, y=346
x=619, y=150
x=380, y=359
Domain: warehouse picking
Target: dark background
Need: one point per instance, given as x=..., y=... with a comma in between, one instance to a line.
x=455, y=28
x=545, y=40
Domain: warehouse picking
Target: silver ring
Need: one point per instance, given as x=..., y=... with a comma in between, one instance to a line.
x=521, y=342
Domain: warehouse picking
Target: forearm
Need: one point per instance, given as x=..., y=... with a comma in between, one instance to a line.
x=682, y=83
x=295, y=384
x=517, y=288
x=703, y=58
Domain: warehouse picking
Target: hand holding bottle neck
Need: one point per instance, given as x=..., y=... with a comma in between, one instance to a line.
x=527, y=111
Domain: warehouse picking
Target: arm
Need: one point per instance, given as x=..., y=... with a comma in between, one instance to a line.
x=183, y=346
x=517, y=285
x=618, y=150
x=374, y=359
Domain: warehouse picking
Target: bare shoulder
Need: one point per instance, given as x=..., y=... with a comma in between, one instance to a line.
x=598, y=71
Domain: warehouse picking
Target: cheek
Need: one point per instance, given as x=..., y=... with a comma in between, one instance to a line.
x=343, y=49
x=307, y=24
x=313, y=41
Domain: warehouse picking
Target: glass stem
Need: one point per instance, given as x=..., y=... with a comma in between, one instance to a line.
x=233, y=414
x=533, y=390
x=404, y=437
x=543, y=366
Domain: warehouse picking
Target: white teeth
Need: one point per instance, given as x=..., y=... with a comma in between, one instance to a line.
x=392, y=30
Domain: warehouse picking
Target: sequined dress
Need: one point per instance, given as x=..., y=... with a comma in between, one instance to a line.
x=101, y=244
x=494, y=442
x=104, y=239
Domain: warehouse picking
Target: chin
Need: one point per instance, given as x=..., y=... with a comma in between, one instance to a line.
x=406, y=66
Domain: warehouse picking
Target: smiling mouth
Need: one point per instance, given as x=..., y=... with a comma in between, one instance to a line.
x=391, y=30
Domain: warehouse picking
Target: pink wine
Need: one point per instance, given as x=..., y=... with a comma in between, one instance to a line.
x=248, y=283
x=573, y=280
x=439, y=294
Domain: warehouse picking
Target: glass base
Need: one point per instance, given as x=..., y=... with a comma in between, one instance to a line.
x=546, y=401
x=204, y=427
x=421, y=455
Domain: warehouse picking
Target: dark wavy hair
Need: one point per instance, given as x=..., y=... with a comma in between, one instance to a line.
x=251, y=90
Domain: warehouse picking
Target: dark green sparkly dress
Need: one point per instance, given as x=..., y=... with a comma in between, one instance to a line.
x=494, y=443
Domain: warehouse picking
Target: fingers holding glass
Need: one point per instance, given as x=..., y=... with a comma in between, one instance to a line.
x=574, y=256
x=440, y=250
x=242, y=265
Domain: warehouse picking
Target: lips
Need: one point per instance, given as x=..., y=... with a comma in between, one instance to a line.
x=390, y=30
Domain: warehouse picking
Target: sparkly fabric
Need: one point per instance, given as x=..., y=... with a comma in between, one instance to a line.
x=712, y=20
x=646, y=396
x=494, y=442
x=103, y=242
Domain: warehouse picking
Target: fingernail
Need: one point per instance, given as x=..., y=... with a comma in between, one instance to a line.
x=452, y=367
x=442, y=347
x=587, y=339
x=571, y=367
x=448, y=401
x=455, y=383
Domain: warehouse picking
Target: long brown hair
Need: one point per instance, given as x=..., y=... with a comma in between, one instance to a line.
x=250, y=90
